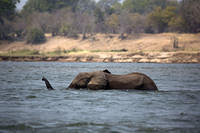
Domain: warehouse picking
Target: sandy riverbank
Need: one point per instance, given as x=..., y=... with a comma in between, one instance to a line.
x=164, y=57
x=157, y=48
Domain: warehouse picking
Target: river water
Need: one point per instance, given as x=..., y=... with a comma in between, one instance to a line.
x=27, y=106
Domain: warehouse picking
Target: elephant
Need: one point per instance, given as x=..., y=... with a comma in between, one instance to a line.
x=104, y=80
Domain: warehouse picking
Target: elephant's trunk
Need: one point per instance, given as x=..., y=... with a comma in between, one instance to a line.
x=48, y=85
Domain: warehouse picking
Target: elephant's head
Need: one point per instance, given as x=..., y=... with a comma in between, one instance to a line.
x=81, y=80
x=91, y=80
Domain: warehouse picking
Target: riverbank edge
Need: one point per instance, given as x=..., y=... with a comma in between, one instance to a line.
x=161, y=57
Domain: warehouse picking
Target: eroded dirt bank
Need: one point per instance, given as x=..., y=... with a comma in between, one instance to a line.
x=164, y=57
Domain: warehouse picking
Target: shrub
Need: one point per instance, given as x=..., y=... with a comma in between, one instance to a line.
x=64, y=30
x=35, y=36
x=119, y=50
x=67, y=30
x=73, y=34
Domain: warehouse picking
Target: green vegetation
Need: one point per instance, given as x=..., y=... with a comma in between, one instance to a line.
x=163, y=20
x=35, y=36
x=113, y=50
x=59, y=51
x=48, y=5
x=119, y=50
x=7, y=13
x=144, y=6
x=23, y=52
x=73, y=17
x=191, y=15
x=7, y=9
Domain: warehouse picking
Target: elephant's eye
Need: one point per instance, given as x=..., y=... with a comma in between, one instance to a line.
x=84, y=80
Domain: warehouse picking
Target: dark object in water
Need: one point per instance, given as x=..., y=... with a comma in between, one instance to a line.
x=104, y=80
x=48, y=85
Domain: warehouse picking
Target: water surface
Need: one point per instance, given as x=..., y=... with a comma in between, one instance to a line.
x=26, y=105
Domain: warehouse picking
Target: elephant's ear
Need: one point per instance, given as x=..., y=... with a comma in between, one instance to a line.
x=98, y=81
x=106, y=71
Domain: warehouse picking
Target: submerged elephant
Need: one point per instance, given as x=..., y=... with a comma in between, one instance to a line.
x=104, y=80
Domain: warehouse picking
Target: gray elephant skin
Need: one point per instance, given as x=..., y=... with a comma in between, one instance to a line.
x=104, y=80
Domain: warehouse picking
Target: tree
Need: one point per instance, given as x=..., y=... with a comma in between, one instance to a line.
x=19, y=27
x=85, y=23
x=5, y=30
x=48, y=5
x=161, y=19
x=40, y=20
x=135, y=5
x=60, y=22
x=67, y=26
x=7, y=9
x=106, y=5
x=116, y=7
x=137, y=23
x=177, y=24
x=85, y=19
x=155, y=21
x=190, y=10
x=146, y=6
x=124, y=23
x=7, y=12
x=85, y=6
x=35, y=36
x=99, y=20
x=112, y=23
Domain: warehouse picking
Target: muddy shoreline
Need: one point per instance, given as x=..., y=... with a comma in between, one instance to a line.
x=164, y=57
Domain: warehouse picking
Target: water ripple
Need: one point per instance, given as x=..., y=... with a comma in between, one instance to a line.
x=27, y=106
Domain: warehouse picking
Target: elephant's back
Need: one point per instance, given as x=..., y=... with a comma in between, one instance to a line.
x=149, y=84
x=127, y=81
x=133, y=80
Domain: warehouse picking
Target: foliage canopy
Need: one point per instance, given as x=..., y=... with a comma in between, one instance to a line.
x=35, y=36
x=73, y=17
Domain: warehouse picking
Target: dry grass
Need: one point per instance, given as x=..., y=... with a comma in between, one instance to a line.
x=110, y=43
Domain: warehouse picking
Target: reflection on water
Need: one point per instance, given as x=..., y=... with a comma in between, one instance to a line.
x=26, y=105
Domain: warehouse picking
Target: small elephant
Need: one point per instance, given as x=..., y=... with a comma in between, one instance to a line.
x=105, y=80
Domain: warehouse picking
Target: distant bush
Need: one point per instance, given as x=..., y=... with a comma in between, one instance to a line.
x=119, y=50
x=73, y=34
x=67, y=30
x=64, y=30
x=35, y=36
